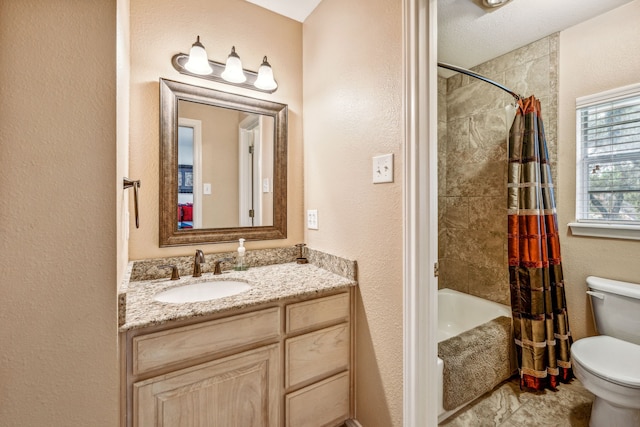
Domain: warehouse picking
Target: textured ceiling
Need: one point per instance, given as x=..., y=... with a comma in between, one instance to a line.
x=469, y=34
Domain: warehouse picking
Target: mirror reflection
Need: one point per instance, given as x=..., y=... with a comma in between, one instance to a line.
x=225, y=167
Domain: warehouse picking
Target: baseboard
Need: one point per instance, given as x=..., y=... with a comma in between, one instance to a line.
x=352, y=423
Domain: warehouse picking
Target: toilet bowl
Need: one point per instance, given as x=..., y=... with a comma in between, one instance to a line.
x=610, y=369
x=608, y=365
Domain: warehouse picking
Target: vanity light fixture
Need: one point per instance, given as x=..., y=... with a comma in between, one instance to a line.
x=198, y=65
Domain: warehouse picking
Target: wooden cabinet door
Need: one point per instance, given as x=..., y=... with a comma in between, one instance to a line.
x=237, y=391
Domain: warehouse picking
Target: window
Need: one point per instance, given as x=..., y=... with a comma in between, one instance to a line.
x=608, y=146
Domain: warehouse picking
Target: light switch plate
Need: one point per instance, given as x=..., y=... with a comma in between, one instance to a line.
x=206, y=188
x=312, y=219
x=383, y=168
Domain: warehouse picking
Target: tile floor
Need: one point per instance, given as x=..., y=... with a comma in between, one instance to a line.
x=507, y=406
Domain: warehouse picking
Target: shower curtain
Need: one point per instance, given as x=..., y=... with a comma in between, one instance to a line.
x=540, y=321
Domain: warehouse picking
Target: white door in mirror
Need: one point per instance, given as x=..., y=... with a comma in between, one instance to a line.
x=204, y=291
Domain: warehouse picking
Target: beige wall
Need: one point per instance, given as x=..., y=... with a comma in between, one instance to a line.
x=160, y=29
x=220, y=208
x=352, y=112
x=472, y=169
x=597, y=55
x=58, y=321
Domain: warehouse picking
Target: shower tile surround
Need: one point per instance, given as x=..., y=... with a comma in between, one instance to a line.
x=286, y=279
x=472, y=164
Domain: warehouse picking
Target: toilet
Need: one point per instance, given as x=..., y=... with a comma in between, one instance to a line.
x=608, y=365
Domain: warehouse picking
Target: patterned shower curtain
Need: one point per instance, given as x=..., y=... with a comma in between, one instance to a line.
x=540, y=320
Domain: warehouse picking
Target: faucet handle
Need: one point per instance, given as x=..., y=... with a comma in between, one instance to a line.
x=174, y=271
x=301, y=252
x=216, y=264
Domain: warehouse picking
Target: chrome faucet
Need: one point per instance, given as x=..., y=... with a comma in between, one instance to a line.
x=198, y=260
x=216, y=264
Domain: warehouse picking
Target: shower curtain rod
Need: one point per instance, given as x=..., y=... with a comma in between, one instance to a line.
x=480, y=77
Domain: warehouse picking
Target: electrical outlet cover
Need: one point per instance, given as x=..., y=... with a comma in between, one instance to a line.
x=312, y=219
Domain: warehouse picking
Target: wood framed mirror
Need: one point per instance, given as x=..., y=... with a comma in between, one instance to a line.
x=223, y=166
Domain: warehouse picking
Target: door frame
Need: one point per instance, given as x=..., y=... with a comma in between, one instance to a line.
x=250, y=171
x=420, y=402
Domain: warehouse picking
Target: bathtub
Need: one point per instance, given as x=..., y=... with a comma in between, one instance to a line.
x=459, y=312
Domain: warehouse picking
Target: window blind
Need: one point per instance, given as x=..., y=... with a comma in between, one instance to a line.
x=608, y=173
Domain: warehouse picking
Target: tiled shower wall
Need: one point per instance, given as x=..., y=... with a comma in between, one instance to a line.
x=472, y=164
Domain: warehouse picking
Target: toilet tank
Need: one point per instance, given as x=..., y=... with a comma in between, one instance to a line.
x=616, y=308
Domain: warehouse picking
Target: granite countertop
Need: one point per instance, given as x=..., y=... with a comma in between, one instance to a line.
x=268, y=284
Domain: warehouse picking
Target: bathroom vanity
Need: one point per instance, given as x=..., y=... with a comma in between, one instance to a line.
x=279, y=354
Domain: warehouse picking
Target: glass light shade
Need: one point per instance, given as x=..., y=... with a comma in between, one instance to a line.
x=233, y=72
x=198, y=62
x=495, y=3
x=265, y=79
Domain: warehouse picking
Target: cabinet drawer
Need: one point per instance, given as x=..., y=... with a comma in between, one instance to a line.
x=316, y=355
x=155, y=350
x=316, y=313
x=323, y=404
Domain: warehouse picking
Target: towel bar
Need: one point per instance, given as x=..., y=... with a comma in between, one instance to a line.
x=128, y=183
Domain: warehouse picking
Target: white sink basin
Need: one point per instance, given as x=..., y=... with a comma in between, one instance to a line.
x=204, y=291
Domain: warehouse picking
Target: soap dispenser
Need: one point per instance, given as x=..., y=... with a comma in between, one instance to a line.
x=241, y=264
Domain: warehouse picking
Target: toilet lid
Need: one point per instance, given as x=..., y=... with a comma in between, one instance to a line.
x=609, y=358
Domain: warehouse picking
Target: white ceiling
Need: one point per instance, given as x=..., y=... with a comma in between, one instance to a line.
x=294, y=9
x=469, y=34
